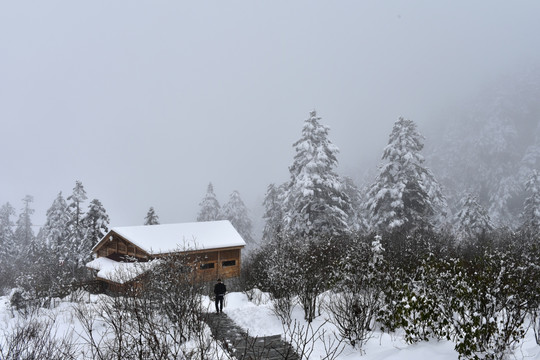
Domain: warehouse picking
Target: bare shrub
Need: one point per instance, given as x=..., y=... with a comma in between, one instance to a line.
x=354, y=315
x=282, y=308
x=333, y=346
x=535, y=321
x=34, y=338
x=358, y=294
x=26, y=305
x=303, y=339
x=158, y=317
x=87, y=316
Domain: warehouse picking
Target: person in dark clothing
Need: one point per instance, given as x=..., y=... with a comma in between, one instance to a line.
x=219, y=290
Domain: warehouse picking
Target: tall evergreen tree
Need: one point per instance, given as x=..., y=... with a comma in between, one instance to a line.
x=6, y=245
x=531, y=212
x=237, y=213
x=76, y=230
x=96, y=223
x=24, y=235
x=357, y=222
x=472, y=219
x=405, y=194
x=273, y=212
x=53, y=244
x=40, y=272
x=151, y=217
x=314, y=201
x=6, y=231
x=76, y=212
x=209, y=206
x=55, y=230
x=26, y=251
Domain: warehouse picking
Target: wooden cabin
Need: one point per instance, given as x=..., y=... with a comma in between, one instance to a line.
x=211, y=249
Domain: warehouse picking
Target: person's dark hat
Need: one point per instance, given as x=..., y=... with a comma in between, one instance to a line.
x=219, y=280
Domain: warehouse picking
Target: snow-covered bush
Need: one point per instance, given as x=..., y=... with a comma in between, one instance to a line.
x=16, y=299
x=273, y=269
x=252, y=273
x=316, y=260
x=412, y=287
x=531, y=254
x=480, y=300
x=24, y=303
x=256, y=296
x=416, y=304
x=297, y=268
x=488, y=306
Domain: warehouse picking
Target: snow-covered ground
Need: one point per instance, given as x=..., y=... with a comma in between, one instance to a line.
x=258, y=319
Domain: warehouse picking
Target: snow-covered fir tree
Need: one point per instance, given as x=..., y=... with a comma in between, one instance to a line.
x=357, y=221
x=314, y=200
x=237, y=213
x=27, y=246
x=531, y=213
x=24, y=234
x=273, y=212
x=6, y=230
x=96, y=222
x=54, y=247
x=531, y=158
x=405, y=194
x=55, y=230
x=495, y=144
x=76, y=228
x=151, y=217
x=472, y=219
x=76, y=212
x=6, y=244
x=39, y=271
x=209, y=206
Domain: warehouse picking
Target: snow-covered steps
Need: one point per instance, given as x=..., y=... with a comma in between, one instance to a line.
x=244, y=347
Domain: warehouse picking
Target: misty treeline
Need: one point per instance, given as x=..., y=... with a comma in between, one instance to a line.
x=490, y=147
x=48, y=264
x=234, y=210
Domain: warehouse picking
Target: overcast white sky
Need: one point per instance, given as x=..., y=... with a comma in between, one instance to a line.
x=146, y=102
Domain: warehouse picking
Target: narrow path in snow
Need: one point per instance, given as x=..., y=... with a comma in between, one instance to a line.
x=244, y=347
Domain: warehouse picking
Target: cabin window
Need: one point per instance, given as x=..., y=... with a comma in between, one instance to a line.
x=207, y=266
x=228, y=263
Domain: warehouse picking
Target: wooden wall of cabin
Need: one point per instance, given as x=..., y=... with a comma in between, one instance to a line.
x=209, y=265
x=121, y=247
x=216, y=264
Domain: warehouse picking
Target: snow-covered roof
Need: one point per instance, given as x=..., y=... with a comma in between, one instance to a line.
x=119, y=272
x=167, y=238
